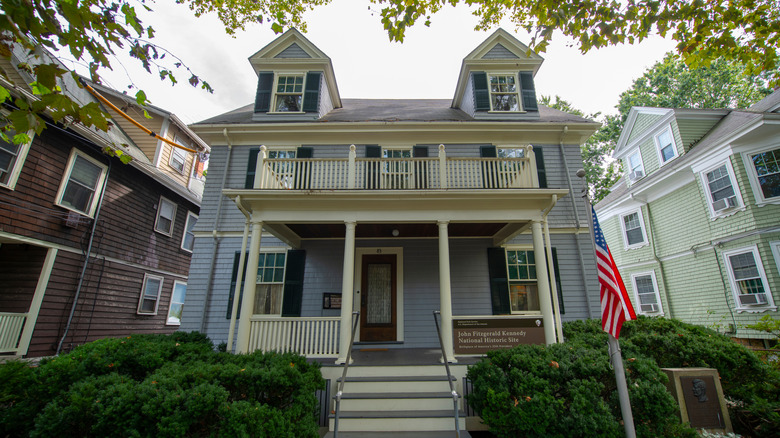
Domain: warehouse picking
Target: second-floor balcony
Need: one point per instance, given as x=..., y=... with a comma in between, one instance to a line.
x=428, y=173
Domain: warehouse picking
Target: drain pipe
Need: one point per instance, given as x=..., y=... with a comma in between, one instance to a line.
x=578, y=228
x=214, y=236
x=86, y=259
x=239, y=275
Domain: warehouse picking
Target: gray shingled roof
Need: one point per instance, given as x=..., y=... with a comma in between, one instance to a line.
x=395, y=110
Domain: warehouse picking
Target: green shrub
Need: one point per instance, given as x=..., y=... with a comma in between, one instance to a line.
x=568, y=390
x=161, y=386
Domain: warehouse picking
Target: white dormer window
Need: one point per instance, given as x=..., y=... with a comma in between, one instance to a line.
x=504, y=92
x=178, y=157
x=636, y=168
x=288, y=96
x=664, y=141
x=722, y=193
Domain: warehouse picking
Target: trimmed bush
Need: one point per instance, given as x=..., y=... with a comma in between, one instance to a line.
x=162, y=386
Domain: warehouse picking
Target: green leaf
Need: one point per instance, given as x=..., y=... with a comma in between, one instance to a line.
x=140, y=98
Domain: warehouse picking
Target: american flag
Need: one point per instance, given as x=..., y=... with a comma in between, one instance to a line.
x=615, y=304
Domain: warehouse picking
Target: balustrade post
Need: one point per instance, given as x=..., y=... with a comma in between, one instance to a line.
x=532, y=163
x=442, y=167
x=351, y=168
x=259, y=166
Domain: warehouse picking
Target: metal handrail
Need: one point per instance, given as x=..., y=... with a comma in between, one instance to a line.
x=337, y=397
x=454, y=393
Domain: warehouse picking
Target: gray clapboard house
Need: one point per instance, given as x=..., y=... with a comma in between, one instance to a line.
x=393, y=208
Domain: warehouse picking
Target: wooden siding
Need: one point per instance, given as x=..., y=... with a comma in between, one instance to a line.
x=692, y=130
x=499, y=52
x=145, y=142
x=643, y=121
x=293, y=51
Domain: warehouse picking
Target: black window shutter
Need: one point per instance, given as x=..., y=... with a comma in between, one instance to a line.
x=540, y=171
x=233, y=286
x=488, y=151
x=304, y=152
x=292, y=300
x=481, y=94
x=251, y=167
x=265, y=84
x=420, y=151
x=499, y=284
x=372, y=169
x=311, y=96
x=558, y=280
x=421, y=173
x=528, y=91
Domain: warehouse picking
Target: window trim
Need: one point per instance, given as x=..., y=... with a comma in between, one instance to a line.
x=770, y=304
x=21, y=158
x=642, y=226
x=755, y=185
x=527, y=248
x=66, y=178
x=190, y=215
x=157, y=216
x=147, y=277
x=171, y=302
x=174, y=151
x=275, y=93
x=667, y=128
x=518, y=91
x=651, y=274
x=637, y=152
x=708, y=193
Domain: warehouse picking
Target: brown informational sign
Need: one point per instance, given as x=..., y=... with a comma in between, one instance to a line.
x=480, y=335
x=701, y=400
x=331, y=301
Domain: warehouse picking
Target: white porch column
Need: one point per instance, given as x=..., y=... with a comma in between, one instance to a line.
x=250, y=284
x=445, y=291
x=37, y=300
x=543, y=283
x=347, y=291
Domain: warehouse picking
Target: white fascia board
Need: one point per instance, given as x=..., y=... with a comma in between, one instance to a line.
x=648, y=192
x=622, y=146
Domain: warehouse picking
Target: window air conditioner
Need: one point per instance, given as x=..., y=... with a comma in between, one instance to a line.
x=649, y=308
x=753, y=299
x=725, y=203
x=635, y=175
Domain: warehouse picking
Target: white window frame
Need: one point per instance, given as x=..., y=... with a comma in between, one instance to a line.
x=157, y=217
x=637, y=152
x=168, y=320
x=518, y=92
x=642, y=226
x=16, y=168
x=275, y=94
x=651, y=274
x=527, y=248
x=770, y=304
x=666, y=129
x=735, y=187
x=190, y=216
x=776, y=253
x=758, y=194
x=90, y=211
x=142, y=296
x=397, y=174
x=261, y=282
x=178, y=153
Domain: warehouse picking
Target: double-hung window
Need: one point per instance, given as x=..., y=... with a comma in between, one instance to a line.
x=647, y=296
x=283, y=171
x=288, y=95
x=765, y=168
x=748, y=279
x=634, y=234
x=150, y=295
x=664, y=141
x=720, y=187
x=523, y=289
x=166, y=216
x=636, y=168
x=188, y=239
x=177, y=303
x=178, y=157
x=12, y=157
x=504, y=92
x=81, y=185
x=270, y=283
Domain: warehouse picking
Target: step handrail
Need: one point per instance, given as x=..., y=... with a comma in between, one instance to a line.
x=337, y=397
x=454, y=393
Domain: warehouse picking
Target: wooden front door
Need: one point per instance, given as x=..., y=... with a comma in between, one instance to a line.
x=378, y=319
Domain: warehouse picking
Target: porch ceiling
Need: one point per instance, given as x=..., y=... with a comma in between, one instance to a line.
x=405, y=230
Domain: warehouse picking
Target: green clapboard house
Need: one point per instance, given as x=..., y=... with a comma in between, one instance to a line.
x=694, y=224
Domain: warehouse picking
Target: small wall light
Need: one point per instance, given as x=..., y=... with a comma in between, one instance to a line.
x=396, y=232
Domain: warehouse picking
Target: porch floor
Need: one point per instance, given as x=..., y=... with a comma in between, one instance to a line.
x=368, y=356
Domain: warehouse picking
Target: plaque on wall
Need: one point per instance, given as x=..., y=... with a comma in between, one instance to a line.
x=331, y=300
x=700, y=396
x=480, y=335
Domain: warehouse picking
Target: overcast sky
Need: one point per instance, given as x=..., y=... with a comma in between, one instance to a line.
x=367, y=65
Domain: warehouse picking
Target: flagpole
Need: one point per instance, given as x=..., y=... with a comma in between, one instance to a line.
x=613, y=346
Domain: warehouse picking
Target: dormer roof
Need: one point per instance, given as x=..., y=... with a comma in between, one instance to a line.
x=292, y=51
x=499, y=52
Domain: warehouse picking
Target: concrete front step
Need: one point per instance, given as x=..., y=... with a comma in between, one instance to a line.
x=398, y=421
x=375, y=384
x=396, y=401
x=427, y=434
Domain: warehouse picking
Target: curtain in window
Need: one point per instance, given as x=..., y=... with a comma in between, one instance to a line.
x=379, y=299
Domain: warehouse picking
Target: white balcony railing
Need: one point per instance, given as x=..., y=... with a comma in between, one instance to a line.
x=311, y=337
x=11, y=325
x=433, y=173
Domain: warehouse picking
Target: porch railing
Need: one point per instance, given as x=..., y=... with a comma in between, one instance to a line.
x=416, y=173
x=311, y=337
x=11, y=325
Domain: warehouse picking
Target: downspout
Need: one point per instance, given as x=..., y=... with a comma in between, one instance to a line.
x=651, y=236
x=578, y=228
x=239, y=275
x=86, y=259
x=214, y=236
